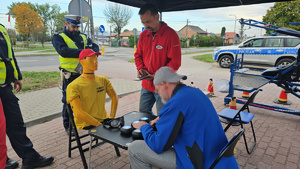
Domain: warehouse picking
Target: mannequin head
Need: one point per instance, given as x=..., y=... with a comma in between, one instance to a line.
x=89, y=61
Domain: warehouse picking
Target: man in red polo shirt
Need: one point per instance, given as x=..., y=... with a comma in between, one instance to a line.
x=158, y=46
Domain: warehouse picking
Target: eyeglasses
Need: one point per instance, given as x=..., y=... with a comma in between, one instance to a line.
x=113, y=123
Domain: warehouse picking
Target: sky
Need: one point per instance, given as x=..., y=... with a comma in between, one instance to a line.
x=210, y=20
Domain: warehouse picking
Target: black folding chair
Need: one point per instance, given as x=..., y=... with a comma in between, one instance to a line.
x=230, y=116
x=77, y=138
x=229, y=149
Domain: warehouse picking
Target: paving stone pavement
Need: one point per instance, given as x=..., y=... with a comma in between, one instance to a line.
x=278, y=134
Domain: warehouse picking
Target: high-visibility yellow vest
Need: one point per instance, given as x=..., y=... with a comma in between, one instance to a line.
x=10, y=56
x=70, y=64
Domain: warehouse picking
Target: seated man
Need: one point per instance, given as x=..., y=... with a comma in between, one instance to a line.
x=87, y=93
x=189, y=133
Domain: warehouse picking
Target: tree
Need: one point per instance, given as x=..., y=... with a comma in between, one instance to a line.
x=28, y=21
x=223, y=31
x=282, y=13
x=118, y=16
x=125, y=30
x=48, y=13
x=59, y=21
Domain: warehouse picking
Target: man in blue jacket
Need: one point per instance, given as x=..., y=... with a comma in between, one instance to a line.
x=68, y=44
x=189, y=133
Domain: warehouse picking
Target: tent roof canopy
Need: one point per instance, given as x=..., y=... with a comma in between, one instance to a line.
x=180, y=5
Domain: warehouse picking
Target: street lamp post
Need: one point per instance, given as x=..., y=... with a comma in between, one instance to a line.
x=234, y=25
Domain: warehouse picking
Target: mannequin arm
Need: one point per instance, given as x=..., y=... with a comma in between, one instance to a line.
x=81, y=114
x=114, y=102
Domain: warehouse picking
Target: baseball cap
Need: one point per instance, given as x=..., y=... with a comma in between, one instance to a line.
x=73, y=19
x=167, y=74
x=86, y=53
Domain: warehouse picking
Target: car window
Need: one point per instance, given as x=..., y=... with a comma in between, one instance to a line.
x=292, y=42
x=253, y=43
x=274, y=42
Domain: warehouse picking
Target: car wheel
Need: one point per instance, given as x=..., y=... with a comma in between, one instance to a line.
x=225, y=61
x=284, y=62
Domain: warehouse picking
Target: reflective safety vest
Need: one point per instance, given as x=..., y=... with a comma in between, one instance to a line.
x=70, y=64
x=10, y=56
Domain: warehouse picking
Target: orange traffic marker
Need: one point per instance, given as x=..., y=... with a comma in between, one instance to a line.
x=232, y=104
x=192, y=84
x=210, y=88
x=282, y=98
x=245, y=96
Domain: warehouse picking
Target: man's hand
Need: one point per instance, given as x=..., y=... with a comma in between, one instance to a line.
x=154, y=121
x=18, y=85
x=142, y=72
x=139, y=125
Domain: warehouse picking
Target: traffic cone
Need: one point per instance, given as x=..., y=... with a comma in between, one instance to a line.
x=232, y=104
x=210, y=88
x=192, y=84
x=245, y=96
x=282, y=98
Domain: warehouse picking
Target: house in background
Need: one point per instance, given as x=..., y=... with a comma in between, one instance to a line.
x=229, y=36
x=190, y=30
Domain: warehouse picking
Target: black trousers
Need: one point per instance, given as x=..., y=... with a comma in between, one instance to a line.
x=65, y=115
x=15, y=128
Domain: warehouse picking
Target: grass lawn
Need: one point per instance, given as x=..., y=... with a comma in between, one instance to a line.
x=33, y=81
x=204, y=51
x=33, y=47
x=131, y=60
x=204, y=58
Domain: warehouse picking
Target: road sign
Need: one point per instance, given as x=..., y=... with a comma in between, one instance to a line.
x=101, y=28
x=224, y=37
x=194, y=36
x=138, y=36
x=134, y=31
x=81, y=8
x=144, y=28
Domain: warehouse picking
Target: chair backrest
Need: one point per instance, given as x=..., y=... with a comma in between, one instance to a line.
x=250, y=99
x=245, y=106
x=229, y=149
x=70, y=112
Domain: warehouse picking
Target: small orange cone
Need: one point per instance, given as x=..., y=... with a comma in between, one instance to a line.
x=245, y=96
x=210, y=88
x=282, y=98
x=192, y=84
x=232, y=104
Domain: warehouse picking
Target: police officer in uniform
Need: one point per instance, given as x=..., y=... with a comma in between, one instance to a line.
x=15, y=128
x=68, y=44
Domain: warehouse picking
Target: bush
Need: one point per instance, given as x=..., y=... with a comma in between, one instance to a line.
x=206, y=41
x=131, y=40
x=183, y=42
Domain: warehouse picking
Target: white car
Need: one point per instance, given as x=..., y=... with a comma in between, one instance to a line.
x=270, y=50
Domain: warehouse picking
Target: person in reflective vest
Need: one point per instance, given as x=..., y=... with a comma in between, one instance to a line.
x=15, y=127
x=68, y=44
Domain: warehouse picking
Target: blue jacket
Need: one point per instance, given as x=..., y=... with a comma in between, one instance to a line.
x=189, y=123
x=62, y=48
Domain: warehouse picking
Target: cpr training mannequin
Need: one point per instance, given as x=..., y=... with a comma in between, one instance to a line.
x=87, y=93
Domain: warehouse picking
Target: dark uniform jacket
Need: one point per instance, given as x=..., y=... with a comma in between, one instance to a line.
x=9, y=68
x=63, y=49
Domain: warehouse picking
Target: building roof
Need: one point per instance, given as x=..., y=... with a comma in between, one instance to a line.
x=125, y=34
x=230, y=35
x=181, y=35
x=197, y=29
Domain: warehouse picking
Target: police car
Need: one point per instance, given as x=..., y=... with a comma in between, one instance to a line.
x=270, y=50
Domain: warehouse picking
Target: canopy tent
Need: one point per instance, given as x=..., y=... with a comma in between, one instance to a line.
x=180, y=5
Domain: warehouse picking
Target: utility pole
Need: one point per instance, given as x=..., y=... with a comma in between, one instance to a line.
x=187, y=27
x=234, y=26
x=92, y=22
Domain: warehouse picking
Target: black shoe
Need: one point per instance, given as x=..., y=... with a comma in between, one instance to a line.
x=72, y=132
x=40, y=162
x=11, y=164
